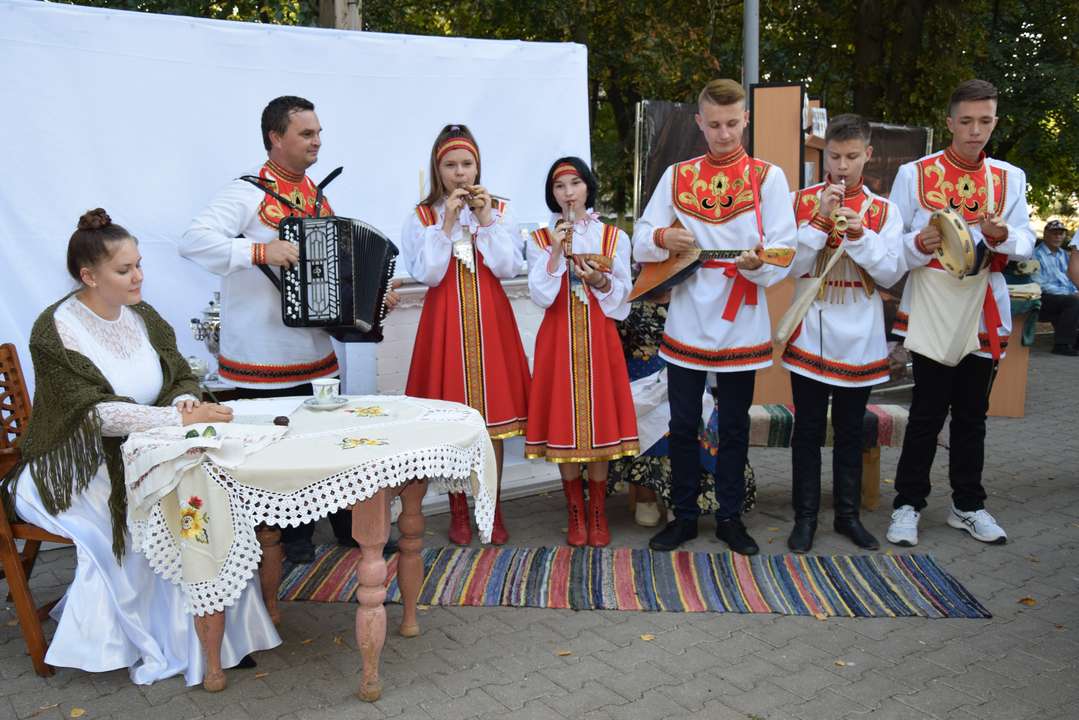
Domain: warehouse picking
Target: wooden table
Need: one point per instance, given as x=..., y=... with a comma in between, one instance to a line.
x=360, y=455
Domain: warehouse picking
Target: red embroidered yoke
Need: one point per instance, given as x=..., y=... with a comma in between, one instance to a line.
x=841, y=340
x=717, y=319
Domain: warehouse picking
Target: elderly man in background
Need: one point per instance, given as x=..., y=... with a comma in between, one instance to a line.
x=1060, y=297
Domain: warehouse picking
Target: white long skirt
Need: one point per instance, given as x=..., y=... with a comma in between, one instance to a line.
x=117, y=615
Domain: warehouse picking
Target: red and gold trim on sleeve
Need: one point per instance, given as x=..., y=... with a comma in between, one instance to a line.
x=724, y=358
x=499, y=205
x=263, y=373
x=947, y=181
x=716, y=190
x=258, y=253
x=300, y=190
x=657, y=237
x=900, y=324
x=610, y=240
x=543, y=238
x=822, y=223
x=427, y=215
x=823, y=367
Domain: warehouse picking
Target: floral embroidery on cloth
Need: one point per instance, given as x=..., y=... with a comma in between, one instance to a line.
x=193, y=521
x=367, y=411
x=350, y=443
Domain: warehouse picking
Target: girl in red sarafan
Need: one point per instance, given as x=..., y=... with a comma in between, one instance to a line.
x=581, y=409
x=460, y=242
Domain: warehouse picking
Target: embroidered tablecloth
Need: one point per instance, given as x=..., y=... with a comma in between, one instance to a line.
x=196, y=493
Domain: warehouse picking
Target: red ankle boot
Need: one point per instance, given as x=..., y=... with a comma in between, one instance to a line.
x=499, y=536
x=598, y=534
x=460, y=527
x=576, y=534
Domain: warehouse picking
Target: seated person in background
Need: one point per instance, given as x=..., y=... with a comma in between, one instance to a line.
x=1060, y=297
x=106, y=365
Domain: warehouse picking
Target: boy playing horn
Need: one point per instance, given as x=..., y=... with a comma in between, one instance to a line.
x=839, y=348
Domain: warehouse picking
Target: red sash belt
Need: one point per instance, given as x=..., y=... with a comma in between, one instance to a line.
x=744, y=290
x=990, y=311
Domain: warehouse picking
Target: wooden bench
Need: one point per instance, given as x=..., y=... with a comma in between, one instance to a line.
x=884, y=426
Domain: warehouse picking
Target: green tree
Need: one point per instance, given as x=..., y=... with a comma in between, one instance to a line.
x=890, y=60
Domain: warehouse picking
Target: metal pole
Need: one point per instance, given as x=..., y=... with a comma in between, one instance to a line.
x=751, y=30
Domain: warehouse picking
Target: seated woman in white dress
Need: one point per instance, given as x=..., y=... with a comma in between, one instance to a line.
x=106, y=365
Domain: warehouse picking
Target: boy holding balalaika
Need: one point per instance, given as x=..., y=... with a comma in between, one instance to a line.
x=738, y=208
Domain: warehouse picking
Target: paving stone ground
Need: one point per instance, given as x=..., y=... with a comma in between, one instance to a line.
x=506, y=662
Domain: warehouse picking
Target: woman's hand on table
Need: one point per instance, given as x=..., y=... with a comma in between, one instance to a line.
x=203, y=413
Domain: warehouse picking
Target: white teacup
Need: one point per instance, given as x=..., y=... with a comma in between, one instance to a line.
x=325, y=390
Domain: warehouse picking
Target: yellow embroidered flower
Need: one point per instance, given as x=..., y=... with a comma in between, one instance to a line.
x=368, y=411
x=193, y=520
x=964, y=187
x=350, y=443
x=719, y=184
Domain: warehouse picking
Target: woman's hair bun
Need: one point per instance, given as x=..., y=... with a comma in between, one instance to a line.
x=94, y=219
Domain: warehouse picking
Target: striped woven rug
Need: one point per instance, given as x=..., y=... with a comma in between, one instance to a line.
x=632, y=579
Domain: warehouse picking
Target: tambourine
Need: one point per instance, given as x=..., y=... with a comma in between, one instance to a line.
x=956, y=251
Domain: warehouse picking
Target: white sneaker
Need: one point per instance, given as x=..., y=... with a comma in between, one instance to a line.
x=904, y=528
x=647, y=514
x=980, y=524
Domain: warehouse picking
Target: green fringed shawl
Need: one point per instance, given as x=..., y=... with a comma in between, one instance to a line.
x=63, y=445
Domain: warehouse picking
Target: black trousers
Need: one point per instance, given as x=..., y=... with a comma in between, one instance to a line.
x=964, y=390
x=810, y=426
x=341, y=520
x=1063, y=312
x=734, y=396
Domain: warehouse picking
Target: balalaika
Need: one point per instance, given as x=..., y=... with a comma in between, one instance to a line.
x=341, y=279
x=344, y=271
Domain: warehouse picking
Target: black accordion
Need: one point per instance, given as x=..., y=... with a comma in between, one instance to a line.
x=341, y=280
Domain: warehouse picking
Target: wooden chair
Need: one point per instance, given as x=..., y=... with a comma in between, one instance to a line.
x=16, y=566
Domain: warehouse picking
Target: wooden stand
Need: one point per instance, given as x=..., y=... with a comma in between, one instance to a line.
x=1009, y=395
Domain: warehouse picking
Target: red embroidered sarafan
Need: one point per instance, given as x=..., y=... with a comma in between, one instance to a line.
x=945, y=180
x=300, y=190
x=715, y=190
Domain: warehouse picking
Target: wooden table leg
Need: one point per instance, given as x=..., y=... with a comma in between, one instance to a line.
x=211, y=630
x=269, y=538
x=371, y=529
x=871, y=478
x=410, y=563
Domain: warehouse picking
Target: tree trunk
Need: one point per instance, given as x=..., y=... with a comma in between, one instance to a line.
x=869, y=58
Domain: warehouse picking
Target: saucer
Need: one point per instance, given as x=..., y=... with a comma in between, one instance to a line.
x=312, y=404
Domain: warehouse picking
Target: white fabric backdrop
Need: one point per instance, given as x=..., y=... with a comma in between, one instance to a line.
x=149, y=115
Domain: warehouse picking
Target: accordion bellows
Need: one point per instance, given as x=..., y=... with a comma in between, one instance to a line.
x=341, y=279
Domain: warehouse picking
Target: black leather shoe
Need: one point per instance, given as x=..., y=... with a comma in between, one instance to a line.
x=299, y=552
x=801, y=537
x=733, y=532
x=674, y=534
x=853, y=529
x=246, y=663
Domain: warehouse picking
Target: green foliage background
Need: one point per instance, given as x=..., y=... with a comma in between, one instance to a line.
x=890, y=60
